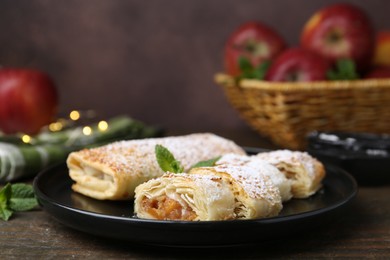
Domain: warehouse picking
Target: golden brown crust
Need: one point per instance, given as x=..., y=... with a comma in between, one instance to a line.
x=114, y=171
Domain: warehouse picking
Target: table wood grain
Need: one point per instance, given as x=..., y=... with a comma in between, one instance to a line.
x=363, y=231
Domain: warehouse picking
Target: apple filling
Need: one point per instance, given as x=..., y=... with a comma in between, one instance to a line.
x=95, y=173
x=163, y=208
x=290, y=174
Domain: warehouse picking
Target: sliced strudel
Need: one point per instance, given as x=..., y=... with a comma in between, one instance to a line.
x=256, y=196
x=181, y=196
x=113, y=171
x=261, y=168
x=305, y=172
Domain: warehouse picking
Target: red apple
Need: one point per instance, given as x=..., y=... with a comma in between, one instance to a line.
x=297, y=64
x=379, y=72
x=382, y=49
x=28, y=100
x=340, y=31
x=254, y=41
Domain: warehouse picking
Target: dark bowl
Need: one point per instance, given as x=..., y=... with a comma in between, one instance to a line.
x=366, y=156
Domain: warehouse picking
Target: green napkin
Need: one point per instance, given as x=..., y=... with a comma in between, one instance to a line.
x=19, y=160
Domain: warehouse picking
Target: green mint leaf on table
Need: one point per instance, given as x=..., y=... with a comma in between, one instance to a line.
x=345, y=69
x=23, y=197
x=167, y=161
x=248, y=71
x=5, y=195
x=16, y=197
x=207, y=163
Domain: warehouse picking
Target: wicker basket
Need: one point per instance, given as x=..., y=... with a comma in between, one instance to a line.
x=286, y=112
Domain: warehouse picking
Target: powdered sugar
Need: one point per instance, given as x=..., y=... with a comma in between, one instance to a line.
x=261, y=168
x=291, y=157
x=138, y=157
x=255, y=185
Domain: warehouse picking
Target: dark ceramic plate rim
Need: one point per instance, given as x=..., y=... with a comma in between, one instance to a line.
x=176, y=231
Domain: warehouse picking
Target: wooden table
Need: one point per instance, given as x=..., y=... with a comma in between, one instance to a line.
x=362, y=231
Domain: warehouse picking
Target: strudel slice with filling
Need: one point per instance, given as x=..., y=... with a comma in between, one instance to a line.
x=255, y=194
x=188, y=197
x=113, y=171
x=261, y=167
x=305, y=172
x=208, y=193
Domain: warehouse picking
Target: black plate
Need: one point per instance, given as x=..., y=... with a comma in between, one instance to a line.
x=115, y=219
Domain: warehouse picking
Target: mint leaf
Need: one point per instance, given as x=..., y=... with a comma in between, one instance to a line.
x=166, y=160
x=207, y=163
x=248, y=71
x=23, y=197
x=5, y=195
x=345, y=69
x=16, y=197
x=5, y=213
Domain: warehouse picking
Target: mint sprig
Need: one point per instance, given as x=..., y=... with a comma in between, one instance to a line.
x=168, y=163
x=16, y=197
x=345, y=69
x=248, y=71
x=166, y=160
x=206, y=163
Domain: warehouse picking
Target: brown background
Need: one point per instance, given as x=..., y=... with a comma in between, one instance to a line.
x=153, y=60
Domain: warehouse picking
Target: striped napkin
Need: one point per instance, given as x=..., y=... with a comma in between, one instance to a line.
x=19, y=160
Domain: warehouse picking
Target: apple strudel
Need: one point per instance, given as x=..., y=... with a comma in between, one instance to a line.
x=305, y=172
x=262, y=168
x=181, y=196
x=255, y=194
x=208, y=193
x=113, y=171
